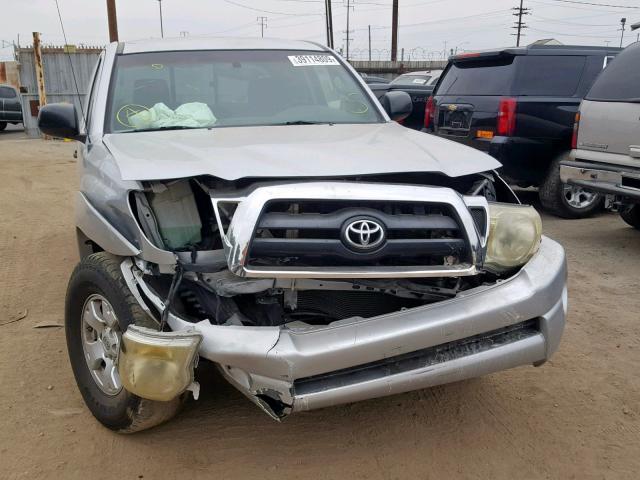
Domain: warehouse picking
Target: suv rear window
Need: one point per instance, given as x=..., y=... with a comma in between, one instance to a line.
x=620, y=81
x=478, y=77
x=548, y=75
x=7, y=92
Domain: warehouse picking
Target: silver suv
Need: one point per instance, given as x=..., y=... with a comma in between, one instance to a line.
x=606, y=155
x=250, y=202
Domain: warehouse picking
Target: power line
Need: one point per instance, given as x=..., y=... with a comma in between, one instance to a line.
x=572, y=35
x=271, y=11
x=73, y=72
x=565, y=22
x=596, y=4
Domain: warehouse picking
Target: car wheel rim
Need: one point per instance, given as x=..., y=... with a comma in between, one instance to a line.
x=578, y=197
x=101, y=343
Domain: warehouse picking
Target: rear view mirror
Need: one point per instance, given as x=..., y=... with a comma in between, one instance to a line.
x=397, y=104
x=60, y=120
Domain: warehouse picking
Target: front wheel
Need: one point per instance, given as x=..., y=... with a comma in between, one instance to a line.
x=567, y=201
x=631, y=215
x=99, y=307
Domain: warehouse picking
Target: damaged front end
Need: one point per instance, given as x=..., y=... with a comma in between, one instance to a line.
x=315, y=293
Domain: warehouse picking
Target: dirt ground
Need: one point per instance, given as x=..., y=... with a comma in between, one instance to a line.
x=577, y=416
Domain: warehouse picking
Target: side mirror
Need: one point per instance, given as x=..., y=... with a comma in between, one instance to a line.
x=60, y=120
x=397, y=104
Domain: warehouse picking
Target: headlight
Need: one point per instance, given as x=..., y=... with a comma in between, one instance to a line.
x=514, y=236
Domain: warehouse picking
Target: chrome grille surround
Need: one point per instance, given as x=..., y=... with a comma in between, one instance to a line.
x=238, y=236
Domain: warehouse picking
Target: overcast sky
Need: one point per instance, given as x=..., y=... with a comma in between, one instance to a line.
x=425, y=25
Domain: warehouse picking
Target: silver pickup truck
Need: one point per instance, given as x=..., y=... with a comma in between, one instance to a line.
x=251, y=203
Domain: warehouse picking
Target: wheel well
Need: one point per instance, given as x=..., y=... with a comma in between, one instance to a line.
x=86, y=246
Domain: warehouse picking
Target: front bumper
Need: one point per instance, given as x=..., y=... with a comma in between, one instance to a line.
x=603, y=178
x=295, y=368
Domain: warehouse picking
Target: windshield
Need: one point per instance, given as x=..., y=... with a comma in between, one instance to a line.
x=411, y=80
x=204, y=89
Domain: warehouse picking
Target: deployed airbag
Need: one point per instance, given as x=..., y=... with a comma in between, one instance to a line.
x=194, y=114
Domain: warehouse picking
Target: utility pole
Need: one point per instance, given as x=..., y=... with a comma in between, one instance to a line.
x=161, y=28
x=113, y=20
x=37, y=60
x=622, y=22
x=519, y=25
x=329, y=20
x=369, y=42
x=394, y=31
x=263, y=24
x=348, y=32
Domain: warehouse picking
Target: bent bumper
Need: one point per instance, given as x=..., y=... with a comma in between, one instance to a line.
x=608, y=179
x=490, y=328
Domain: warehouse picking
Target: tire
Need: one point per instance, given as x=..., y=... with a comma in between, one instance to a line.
x=98, y=278
x=565, y=201
x=631, y=215
x=3, y=125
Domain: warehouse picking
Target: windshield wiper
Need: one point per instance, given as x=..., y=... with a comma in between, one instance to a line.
x=304, y=122
x=166, y=127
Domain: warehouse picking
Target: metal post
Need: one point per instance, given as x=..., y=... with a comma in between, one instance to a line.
x=402, y=54
x=394, y=31
x=329, y=20
x=348, y=39
x=161, y=28
x=113, y=20
x=369, y=42
x=263, y=24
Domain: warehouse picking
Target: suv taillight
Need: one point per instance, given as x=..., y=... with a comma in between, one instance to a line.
x=429, y=112
x=507, y=117
x=574, y=136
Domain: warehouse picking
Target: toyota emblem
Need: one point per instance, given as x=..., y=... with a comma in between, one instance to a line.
x=363, y=234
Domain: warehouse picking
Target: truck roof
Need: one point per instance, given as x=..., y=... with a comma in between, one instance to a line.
x=215, y=43
x=538, y=50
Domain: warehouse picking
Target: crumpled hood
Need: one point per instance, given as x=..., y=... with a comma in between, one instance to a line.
x=231, y=153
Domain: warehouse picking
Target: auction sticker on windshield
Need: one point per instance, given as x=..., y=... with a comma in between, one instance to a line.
x=312, y=60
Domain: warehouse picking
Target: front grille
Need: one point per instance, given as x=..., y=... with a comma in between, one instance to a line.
x=313, y=233
x=479, y=215
x=416, y=360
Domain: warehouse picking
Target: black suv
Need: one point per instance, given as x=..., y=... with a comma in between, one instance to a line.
x=10, y=109
x=519, y=105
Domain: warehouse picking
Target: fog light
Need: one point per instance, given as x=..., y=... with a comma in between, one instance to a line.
x=514, y=235
x=157, y=365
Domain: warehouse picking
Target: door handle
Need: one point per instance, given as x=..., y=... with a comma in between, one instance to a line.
x=634, y=151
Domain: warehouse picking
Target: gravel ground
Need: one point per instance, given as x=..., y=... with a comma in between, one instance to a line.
x=577, y=416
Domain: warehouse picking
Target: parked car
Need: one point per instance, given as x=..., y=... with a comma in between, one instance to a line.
x=428, y=77
x=270, y=216
x=606, y=155
x=519, y=105
x=371, y=79
x=10, y=109
x=419, y=85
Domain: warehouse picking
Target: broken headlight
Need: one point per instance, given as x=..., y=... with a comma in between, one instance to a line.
x=514, y=236
x=157, y=365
